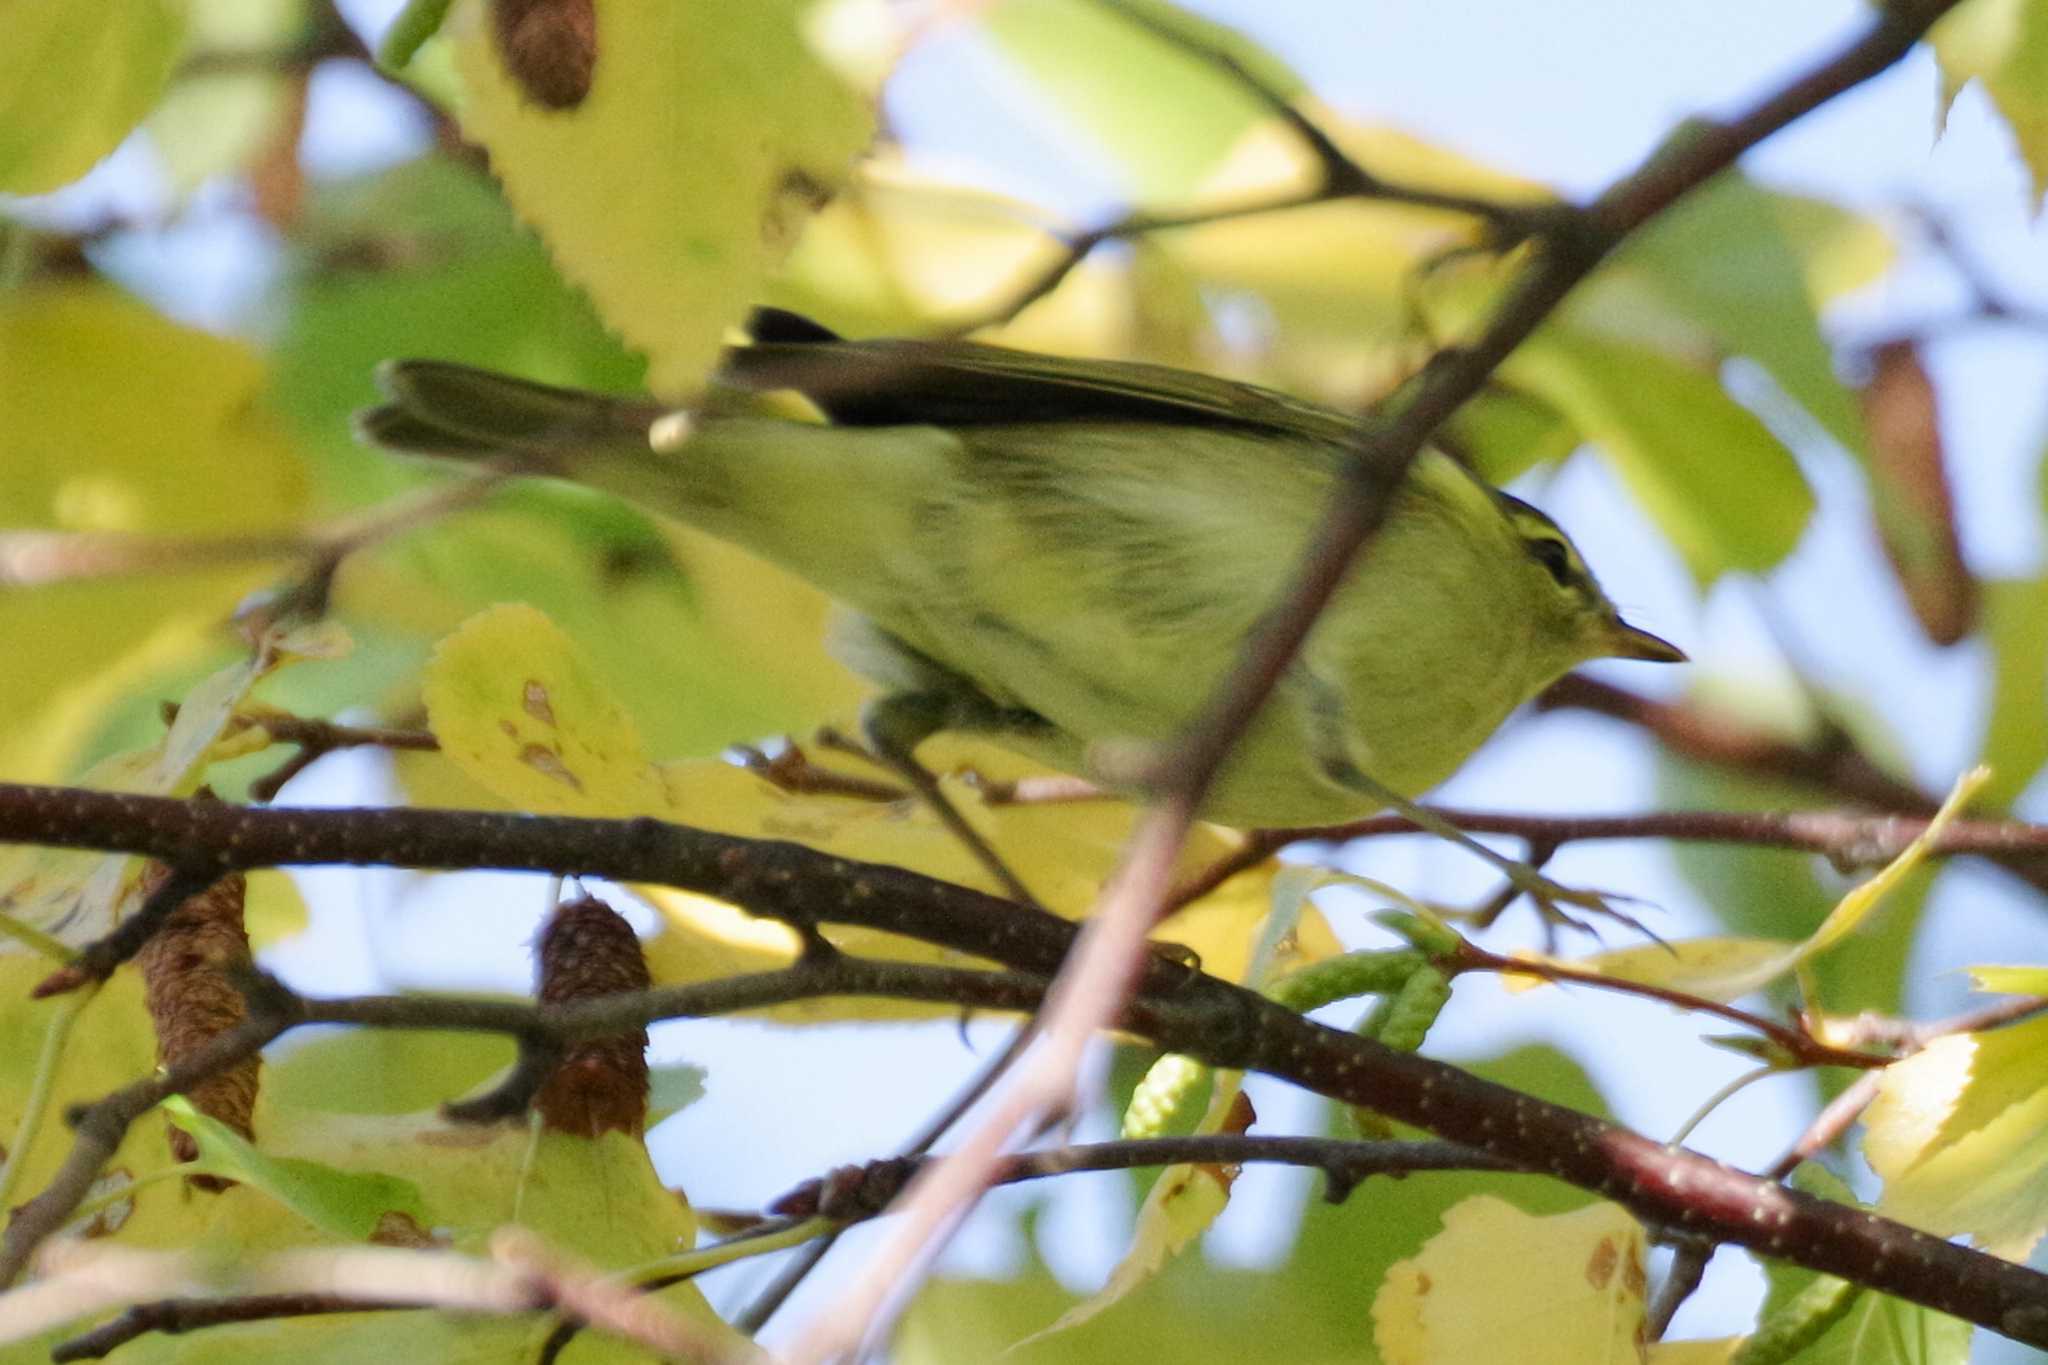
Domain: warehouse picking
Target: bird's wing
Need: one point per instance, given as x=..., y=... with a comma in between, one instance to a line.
x=966, y=384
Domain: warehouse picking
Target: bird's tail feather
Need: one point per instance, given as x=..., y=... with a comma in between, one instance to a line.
x=459, y=412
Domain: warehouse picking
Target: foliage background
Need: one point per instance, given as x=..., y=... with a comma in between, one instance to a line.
x=280, y=230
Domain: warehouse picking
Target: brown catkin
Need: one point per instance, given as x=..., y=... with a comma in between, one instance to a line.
x=549, y=48
x=188, y=971
x=588, y=950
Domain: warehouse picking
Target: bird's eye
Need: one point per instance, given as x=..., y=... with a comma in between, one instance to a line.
x=1553, y=555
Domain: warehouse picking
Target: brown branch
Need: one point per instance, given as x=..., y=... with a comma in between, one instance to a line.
x=1176, y=1009
x=1832, y=762
x=853, y=1194
x=769, y=1301
x=1848, y=839
x=173, y=1316
x=315, y=739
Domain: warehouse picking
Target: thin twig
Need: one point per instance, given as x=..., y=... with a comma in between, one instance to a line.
x=1798, y=1046
x=1848, y=839
x=173, y=1316
x=769, y=1302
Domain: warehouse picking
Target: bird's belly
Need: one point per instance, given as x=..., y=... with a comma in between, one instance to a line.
x=1133, y=688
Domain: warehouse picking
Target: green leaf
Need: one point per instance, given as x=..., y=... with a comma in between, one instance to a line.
x=382, y=1071
x=450, y=276
x=1097, y=67
x=1722, y=258
x=672, y=1089
x=1504, y=434
x=2015, y=741
x=345, y=1204
x=75, y=79
x=2004, y=45
x=1719, y=484
x=417, y=22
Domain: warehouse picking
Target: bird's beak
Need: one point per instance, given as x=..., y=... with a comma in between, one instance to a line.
x=1632, y=642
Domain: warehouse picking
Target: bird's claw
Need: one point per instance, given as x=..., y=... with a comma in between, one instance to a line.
x=1550, y=897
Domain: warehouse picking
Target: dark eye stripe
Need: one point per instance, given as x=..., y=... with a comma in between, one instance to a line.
x=1555, y=557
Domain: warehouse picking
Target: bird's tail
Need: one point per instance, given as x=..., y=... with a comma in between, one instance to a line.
x=459, y=412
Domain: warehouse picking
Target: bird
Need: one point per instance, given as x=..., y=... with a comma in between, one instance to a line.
x=1064, y=555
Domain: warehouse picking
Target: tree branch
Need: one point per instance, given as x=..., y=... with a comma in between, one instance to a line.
x=1182, y=1011
x=1848, y=839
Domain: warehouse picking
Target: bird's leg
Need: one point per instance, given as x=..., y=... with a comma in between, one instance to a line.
x=1325, y=706
x=894, y=725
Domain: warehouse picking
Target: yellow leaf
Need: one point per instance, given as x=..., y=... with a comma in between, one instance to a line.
x=1959, y=1131
x=109, y=1045
x=74, y=79
x=1498, y=1284
x=115, y=419
x=673, y=183
x=516, y=705
x=2011, y=980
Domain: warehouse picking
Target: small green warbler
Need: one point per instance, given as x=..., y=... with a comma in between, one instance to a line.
x=1062, y=554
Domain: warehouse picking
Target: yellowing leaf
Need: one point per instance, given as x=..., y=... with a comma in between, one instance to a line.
x=1183, y=1202
x=672, y=184
x=110, y=1044
x=2011, y=980
x=1727, y=968
x=1959, y=1131
x=113, y=418
x=2003, y=44
x=897, y=249
x=1498, y=1284
x=1064, y=853
x=516, y=706
x=74, y=79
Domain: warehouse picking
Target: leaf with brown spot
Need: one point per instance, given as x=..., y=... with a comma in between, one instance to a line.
x=535, y=700
x=518, y=708
x=1566, y=1289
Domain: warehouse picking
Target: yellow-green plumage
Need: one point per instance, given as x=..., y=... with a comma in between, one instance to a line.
x=1071, y=552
